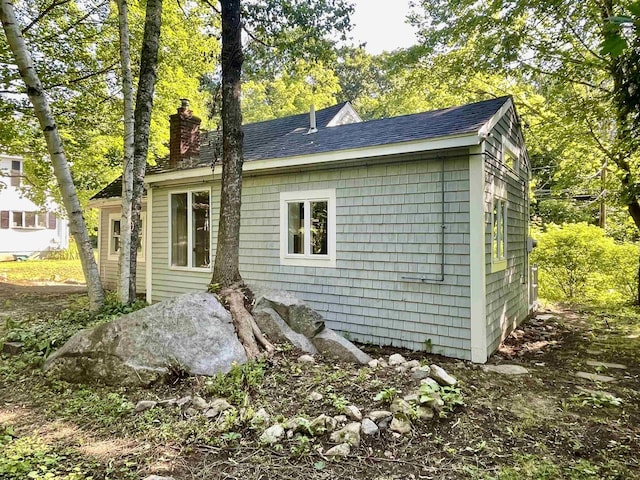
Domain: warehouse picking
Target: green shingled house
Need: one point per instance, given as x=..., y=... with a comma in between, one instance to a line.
x=407, y=231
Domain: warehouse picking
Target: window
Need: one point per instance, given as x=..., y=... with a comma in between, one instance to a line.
x=51, y=221
x=499, y=234
x=16, y=173
x=4, y=219
x=308, y=228
x=510, y=155
x=115, y=232
x=190, y=236
x=30, y=219
x=17, y=219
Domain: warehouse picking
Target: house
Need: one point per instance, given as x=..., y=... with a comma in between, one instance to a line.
x=409, y=231
x=25, y=228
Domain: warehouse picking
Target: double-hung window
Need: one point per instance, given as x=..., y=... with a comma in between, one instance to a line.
x=190, y=229
x=115, y=232
x=510, y=155
x=499, y=216
x=16, y=173
x=308, y=228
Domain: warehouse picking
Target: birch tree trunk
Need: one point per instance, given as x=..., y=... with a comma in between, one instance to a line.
x=77, y=225
x=226, y=271
x=142, y=122
x=124, y=261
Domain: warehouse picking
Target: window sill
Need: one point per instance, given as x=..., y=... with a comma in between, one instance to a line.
x=115, y=258
x=326, y=262
x=190, y=269
x=26, y=228
x=498, y=265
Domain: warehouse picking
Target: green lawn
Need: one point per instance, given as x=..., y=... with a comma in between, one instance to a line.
x=41, y=271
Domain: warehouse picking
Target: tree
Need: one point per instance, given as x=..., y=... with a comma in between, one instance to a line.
x=45, y=117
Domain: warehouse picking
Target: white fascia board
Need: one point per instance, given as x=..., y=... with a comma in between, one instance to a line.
x=493, y=121
x=109, y=202
x=457, y=141
x=10, y=157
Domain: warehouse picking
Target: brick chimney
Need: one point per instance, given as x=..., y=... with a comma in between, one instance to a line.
x=184, y=134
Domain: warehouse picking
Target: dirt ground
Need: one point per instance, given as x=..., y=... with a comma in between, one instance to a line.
x=547, y=424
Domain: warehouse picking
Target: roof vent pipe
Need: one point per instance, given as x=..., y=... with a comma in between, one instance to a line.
x=312, y=120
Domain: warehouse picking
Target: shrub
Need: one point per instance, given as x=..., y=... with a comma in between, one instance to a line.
x=69, y=253
x=578, y=263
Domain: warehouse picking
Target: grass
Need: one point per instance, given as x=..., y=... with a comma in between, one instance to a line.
x=537, y=426
x=41, y=271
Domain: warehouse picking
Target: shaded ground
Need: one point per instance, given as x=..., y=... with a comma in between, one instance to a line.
x=540, y=425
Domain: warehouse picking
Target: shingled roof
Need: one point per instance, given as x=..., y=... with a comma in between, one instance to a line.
x=288, y=136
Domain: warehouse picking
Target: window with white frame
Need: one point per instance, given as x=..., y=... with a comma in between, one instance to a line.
x=499, y=234
x=16, y=173
x=510, y=155
x=189, y=224
x=308, y=228
x=115, y=232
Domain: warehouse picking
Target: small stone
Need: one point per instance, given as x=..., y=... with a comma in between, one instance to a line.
x=378, y=415
x=12, y=348
x=272, y=435
x=340, y=418
x=506, y=369
x=306, y=359
x=169, y=402
x=435, y=402
x=199, y=403
x=435, y=386
x=413, y=364
x=341, y=450
x=181, y=402
x=157, y=477
x=211, y=413
x=382, y=363
x=421, y=372
x=369, y=427
x=424, y=413
x=594, y=352
x=594, y=377
x=401, y=368
x=143, y=405
x=315, y=396
x=261, y=417
x=412, y=398
x=353, y=413
x=400, y=424
x=190, y=412
x=349, y=434
x=396, y=359
x=400, y=405
x=594, y=363
x=545, y=317
x=374, y=363
x=220, y=404
x=322, y=423
x=441, y=376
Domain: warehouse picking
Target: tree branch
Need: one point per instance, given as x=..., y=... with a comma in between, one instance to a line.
x=43, y=14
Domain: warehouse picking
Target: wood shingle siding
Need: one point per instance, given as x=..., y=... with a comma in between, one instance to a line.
x=388, y=227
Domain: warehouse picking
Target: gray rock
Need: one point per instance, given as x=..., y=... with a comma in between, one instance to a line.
x=411, y=364
x=353, y=413
x=382, y=363
x=322, y=423
x=595, y=377
x=193, y=332
x=169, y=402
x=441, y=376
x=143, y=405
x=341, y=450
x=411, y=398
x=306, y=359
x=505, y=369
x=157, y=477
x=431, y=382
x=190, y=412
x=349, y=434
x=400, y=405
x=273, y=325
x=595, y=363
x=333, y=345
x=400, y=424
x=379, y=415
x=220, y=404
x=12, y=348
x=421, y=372
x=199, y=403
x=261, y=417
x=183, y=401
x=401, y=368
x=544, y=317
x=295, y=312
x=340, y=419
x=315, y=396
x=374, y=363
x=272, y=435
x=424, y=413
x=369, y=427
x=396, y=359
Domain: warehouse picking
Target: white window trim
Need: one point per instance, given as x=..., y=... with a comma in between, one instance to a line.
x=23, y=216
x=143, y=234
x=308, y=260
x=188, y=268
x=508, y=147
x=500, y=263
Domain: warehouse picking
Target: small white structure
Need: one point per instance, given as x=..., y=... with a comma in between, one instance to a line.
x=26, y=228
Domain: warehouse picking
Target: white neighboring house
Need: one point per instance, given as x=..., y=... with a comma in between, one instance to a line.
x=26, y=228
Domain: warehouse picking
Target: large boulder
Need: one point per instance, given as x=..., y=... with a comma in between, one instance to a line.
x=333, y=345
x=298, y=315
x=272, y=325
x=192, y=332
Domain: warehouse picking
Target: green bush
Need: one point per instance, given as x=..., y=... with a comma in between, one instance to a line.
x=69, y=253
x=578, y=263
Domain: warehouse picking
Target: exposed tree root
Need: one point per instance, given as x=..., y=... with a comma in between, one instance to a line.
x=248, y=331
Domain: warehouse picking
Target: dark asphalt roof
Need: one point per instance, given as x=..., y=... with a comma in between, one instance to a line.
x=287, y=137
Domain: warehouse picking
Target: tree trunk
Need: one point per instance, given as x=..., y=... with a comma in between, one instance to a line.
x=124, y=262
x=77, y=225
x=226, y=270
x=142, y=116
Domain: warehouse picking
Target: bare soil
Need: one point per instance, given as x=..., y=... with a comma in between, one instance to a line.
x=540, y=425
